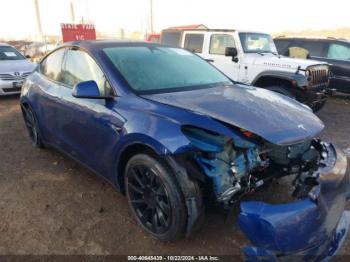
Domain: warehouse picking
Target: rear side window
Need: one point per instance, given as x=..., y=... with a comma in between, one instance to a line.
x=219, y=42
x=171, y=38
x=339, y=51
x=194, y=42
x=315, y=48
x=80, y=67
x=52, y=65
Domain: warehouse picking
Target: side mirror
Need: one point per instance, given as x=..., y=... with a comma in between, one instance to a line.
x=28, y=56
x=232, y=51
x=87, y=89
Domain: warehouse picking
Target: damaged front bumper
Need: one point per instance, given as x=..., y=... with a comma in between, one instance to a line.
x=313, y=228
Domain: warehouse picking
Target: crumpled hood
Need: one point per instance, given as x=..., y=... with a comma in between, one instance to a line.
x=284, y=62
x=274, y=117
x=11, y=66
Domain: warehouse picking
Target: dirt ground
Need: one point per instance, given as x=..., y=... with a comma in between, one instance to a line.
x=51, y=205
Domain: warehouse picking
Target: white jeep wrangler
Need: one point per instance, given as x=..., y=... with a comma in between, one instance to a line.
x=252, y=58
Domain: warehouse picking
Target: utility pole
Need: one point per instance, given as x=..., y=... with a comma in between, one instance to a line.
x=72, y=15
x=38, y=20
x=151, y=16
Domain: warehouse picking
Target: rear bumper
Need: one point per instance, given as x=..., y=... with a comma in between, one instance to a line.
x=313, y=228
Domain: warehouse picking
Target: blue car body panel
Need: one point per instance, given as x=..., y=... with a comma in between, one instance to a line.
x=96, y=132
x=312, y=227
x=272, y=116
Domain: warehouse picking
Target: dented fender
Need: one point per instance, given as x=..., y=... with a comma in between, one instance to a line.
x=315, y=226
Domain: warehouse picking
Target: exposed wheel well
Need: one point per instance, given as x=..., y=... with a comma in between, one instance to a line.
x=125, y=156
x=272, y=81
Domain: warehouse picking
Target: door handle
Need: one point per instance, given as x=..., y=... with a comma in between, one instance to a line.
x=209, y=60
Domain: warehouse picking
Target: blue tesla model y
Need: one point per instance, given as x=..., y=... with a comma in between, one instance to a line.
x=174, y=135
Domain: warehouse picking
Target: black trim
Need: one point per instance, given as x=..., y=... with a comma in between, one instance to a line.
x=300, y=79
x=179, y=89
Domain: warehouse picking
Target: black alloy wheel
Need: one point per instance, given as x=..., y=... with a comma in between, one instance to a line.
x=32, y=127
x=154, y=198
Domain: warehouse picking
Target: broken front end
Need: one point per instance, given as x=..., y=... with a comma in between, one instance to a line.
x=313, y=224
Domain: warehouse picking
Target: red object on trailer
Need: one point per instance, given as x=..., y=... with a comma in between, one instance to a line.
x=154, y=38
x=78, y=32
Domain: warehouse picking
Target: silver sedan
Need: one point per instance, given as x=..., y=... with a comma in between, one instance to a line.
x=14, y=68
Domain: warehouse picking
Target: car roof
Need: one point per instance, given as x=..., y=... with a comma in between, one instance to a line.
x=4, y=44
x=95, y=45
x=213, y=30
x=312, y=38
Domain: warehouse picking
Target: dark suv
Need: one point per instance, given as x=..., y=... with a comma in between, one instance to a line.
x=336, y=52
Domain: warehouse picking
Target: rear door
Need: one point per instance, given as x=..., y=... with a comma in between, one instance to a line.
x=48, y=85
x=215, y=53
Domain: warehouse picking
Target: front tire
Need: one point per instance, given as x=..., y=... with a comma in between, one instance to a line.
x=155, y=197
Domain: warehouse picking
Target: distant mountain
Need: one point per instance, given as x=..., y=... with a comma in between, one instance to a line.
x=343, y=32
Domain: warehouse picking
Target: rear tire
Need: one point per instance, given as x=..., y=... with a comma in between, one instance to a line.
x=32, y=127
x=155, y=197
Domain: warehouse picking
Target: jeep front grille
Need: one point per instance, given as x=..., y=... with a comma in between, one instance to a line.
x=319, y=76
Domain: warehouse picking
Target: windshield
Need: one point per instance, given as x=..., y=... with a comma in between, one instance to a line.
x=257, y=43
x=9, y=53
x=156, y=69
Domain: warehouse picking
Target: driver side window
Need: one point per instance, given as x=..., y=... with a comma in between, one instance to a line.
x=219, y=42
x=79, y=67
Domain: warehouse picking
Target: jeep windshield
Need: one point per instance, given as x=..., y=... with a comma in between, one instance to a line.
x=257, y=43
x=158, y=69
x=9, y=53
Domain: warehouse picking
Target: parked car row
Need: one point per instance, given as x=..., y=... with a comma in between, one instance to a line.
x=175, y=135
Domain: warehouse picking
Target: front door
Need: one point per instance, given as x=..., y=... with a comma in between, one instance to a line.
x=216, y=54
x=89, y=127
